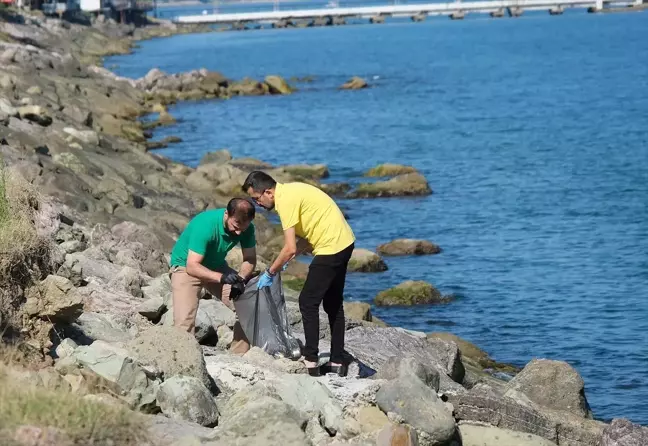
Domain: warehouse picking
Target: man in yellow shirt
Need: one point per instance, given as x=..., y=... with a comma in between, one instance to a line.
x=309, y=213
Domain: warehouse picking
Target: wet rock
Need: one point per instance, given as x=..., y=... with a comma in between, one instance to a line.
x=478, y=435
x=314, y=171
x=55, y=299
x=247, y=87
x=173, y=351
x=622, y=432
x=389, y=170
x=410, y=293
x=363, y=260
x=553, y=384
x=411, y=184
x=419, y=406
x=474, y=357
x=405, y=247
x=355, y=83
x=374, y=346
x=278, y=85
x=35, y=114
x=187, y=398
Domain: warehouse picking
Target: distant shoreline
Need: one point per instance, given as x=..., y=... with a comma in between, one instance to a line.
x=220, y=3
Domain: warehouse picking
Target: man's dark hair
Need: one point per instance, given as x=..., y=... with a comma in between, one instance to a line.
x=241, y=209
x=258, y=181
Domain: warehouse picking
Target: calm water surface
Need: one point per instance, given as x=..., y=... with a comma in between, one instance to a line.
x=533, y=134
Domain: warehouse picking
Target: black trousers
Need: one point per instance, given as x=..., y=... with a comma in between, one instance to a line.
x=325, y=282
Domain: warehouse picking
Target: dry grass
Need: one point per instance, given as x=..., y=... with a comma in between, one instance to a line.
x=83, y=422
x=24, y=255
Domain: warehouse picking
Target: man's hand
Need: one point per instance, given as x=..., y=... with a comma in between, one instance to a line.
x=231, y=278
x=237, y=290
x=265, y=280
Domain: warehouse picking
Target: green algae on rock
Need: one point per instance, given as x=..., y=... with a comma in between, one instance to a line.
x=389, y=170
x=410, y=184
x=410, y=293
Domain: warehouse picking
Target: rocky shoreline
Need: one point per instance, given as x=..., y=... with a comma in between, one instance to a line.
x=86, y=297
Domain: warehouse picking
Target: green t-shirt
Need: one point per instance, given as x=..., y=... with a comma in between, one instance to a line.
x=205, y=234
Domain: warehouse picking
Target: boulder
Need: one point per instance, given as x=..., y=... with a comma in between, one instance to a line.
x=92, y=326
x=313, y=171
x=54, y=299
x=419, y=406
x=218, y=157
x=410, y=293
x=355, y=83
x=389, y=170
x=363, y=260
x=371, y=419
x=7, y=108
x=278, y=85
x=481, y=404
x=374, y=346
x=408, y=247
x=471, y=355
x=397, y=435
x=187, y=398
x=249, y=164
x=85, y=136
x=553, y=384
x=622, y=432
x=173, y=351
x=310, y=397
x=273, y=421
x=71, y=161
x=358, y=311
x=114, y=365
x=35, y=113
x=397, y=367
x=409, y=184
x=478, y=435
x=66, y=348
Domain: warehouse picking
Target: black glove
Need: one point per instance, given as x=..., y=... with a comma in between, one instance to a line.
x=237, y=290
x=231, y=278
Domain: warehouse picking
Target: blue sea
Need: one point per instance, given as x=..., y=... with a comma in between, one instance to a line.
x=533, y=135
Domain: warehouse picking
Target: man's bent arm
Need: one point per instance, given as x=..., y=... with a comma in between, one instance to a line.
x=196, y=269
x=287, y=252
x=249, y=262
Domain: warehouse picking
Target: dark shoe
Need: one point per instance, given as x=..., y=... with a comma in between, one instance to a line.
x=340, y=370
x=314, y=371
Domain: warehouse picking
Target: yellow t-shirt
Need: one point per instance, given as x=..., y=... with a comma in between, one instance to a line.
x=315, y=216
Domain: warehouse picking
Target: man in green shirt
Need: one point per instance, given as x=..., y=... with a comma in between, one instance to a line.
x=198, y=261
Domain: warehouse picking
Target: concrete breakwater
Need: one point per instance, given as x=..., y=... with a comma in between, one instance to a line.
x=98, y=303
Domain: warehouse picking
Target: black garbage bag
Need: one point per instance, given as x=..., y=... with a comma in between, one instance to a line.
x=263, y=317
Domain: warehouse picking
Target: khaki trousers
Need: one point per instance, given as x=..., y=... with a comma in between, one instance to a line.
x=186, y=297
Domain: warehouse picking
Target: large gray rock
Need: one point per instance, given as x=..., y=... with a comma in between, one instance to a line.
x=114, y=364
x=373, y=346
x=163, y=430
x=91, y=326
x=419, y=406
x=273, y=422
x=478, y=435
x=157, y=296
x=552, y=384
x=363, y=260
x=311, y=397
x=55, y=299
x=187, y=398
x=408, y=247
x=173, y=351
x=622, y=432
x=397, y=367
x=483, y=405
